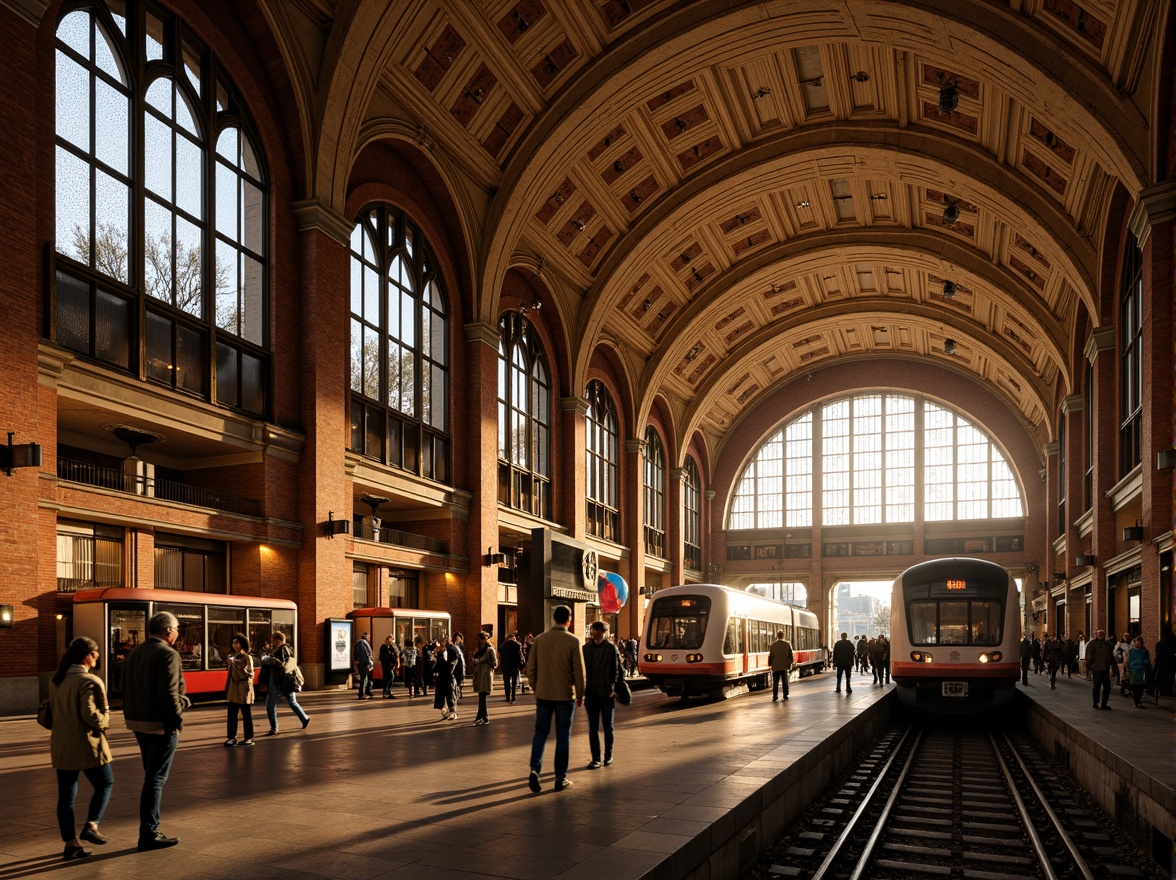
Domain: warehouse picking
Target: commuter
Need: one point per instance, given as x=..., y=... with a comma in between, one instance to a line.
x=1138, y=669
x=425, y=659
x=408, y=665
x=1100, y=661
x=631, y=655
x=861, y=653
x=444, y=667
x=484, y=662
x=81, y=715
x=1082, y=667
x=364, y=666
x=1121, y=648
x=1165, y=665
x=1051, y=653
x=1026, y=656
x=1037, y=663
x=459, y=671
x=510, y=661
x=884, y=656
x=555, y=668
x=528, y=640
x=153, y=708
x=602, y=667
x=872, y=648
x=239, y=690
x=277, y=663
x=389, y=660
x=1069, y=656
x=780, y=659
x=843, y=660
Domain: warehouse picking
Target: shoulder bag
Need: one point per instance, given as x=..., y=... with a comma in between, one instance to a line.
x=45, y=715
x=623, y=693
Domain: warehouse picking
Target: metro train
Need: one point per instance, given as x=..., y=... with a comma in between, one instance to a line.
x=955, y=629
x=709, y=640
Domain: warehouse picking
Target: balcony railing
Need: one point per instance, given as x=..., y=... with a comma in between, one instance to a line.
x=165, y=490
x=385, y=535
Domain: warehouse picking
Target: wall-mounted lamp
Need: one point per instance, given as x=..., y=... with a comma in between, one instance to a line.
x=495, y=560
x=949, y=346
x=336, y=526
x=949, y=289
x=1133, y=533
x=536, y=306
x=1165, y=459
x=949, y=98
x=5, y=617
x=951, y=213
x=1085, y=559
x=19, y=455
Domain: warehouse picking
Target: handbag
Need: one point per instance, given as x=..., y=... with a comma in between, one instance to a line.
x=45, y=715
x=623, y=692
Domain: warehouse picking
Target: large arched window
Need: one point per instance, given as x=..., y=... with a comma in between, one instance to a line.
x=654, y=480
x=524, y=418
x=152, y=147
x=399, y=347
x=692, y=516
x=864, y=450
x=602, y=455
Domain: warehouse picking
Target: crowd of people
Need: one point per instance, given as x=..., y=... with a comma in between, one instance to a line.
x=1107, y=662
x=866, y=654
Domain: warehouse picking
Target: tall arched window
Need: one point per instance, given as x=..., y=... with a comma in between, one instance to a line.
x=867, y=449
x=152, y=144
x=1130, y=359
x=1088, y=435
x=654, y=480
x=399, y=347
x=524, y=418
x=602, y=455
x=692, y=516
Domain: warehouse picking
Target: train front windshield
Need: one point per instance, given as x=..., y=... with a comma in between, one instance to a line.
x=960, y=605
x=679, y=623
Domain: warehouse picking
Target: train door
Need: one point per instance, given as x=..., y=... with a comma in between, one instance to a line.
x=126, y=627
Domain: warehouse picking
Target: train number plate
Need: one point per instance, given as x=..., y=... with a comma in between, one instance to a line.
x=955, y=688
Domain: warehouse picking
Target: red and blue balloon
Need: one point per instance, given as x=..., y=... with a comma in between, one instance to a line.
x=612, y=592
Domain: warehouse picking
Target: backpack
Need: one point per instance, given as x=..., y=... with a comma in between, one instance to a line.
x=292, y=680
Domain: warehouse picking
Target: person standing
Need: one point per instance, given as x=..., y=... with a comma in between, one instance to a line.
x=1052, y=655
x=861, y=650
x=81, y=715
x=459, y=670
x=389, y=660
x=510, y=661
x=425, y=654
x=843, y=660
x=555, y=668
x=484, y=661
x=1138, y=667
x=1026, y=657
x=1069, y=656
x=408, y=666
x=239, y=690
x=153, y=709
x=780, y=659
x=444, y=667
x=1037, y=656
x=1100, y=661
x=602, y=666
x=364, y=666
x=528, y=640
x=277, y=664
x=884, y=656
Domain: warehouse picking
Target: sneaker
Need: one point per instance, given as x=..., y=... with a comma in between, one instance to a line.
x=607, y=760
x=533, y=782
x=453, y=716
x=229, y=743
x=562, y=784
x=157, y=841
x=594, y=765
x=248, y=742
x=272, y=733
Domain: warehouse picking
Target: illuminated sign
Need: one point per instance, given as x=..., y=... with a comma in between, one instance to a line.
x=957, y=585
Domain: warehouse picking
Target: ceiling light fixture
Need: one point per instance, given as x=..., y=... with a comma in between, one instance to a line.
x=949, y=346
x=949, y=289
x=949, y=95
x=951, y=213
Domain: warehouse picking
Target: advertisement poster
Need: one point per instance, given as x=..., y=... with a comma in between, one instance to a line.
x=339, y=645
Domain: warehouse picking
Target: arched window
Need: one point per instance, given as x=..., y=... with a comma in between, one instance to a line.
x=399, y=347
x=692, y=516
x=1130, y=359
x=601, y=464
x=654, y=480
x=1088, y=435
x=867, y=447
x=524, y=418
x=151, y=146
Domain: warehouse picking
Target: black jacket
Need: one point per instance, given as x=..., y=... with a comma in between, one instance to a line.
x=389, y=656
x=843, y=654
x=153, y=687
x=510, y=656
x=601, y=663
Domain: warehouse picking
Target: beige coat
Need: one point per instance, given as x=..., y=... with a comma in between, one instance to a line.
x=240, y=688
x=81, y=715
x=555, y=666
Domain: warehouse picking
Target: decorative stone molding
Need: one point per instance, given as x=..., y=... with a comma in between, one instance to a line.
x=481, y=331
x=1102, y=339
x=30, y=10
x=574, y=404
x=1156, y=205
x=317, y=214
x=1051, y=448
x=1072, y=403
x=636, y=445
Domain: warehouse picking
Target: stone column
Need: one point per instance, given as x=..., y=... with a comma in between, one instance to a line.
x=1100, y=353
x=633, y=535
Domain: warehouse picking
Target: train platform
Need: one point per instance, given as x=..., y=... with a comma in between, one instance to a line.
x=1126, y=757
x=385, y=789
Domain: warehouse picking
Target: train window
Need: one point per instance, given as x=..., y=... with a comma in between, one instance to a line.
x=223, y=624
x=788, y=634
x=260, y=632
x=733, y=644
x=923, y=623
x=986, y=623
x=953, y=623
x=679, y=624
x=128, y=627
x=191, y=638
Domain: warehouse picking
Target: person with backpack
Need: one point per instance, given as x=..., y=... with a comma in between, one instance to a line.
x=408, y=663
x=277, y=665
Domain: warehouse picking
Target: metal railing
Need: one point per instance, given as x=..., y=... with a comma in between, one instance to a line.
x=386, y=535
x=165, y=490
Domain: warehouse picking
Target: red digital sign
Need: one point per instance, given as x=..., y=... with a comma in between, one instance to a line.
x=957, y=585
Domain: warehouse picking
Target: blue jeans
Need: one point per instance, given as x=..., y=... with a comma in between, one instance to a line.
x=600, y=709
x=102, y=778
x=271, y=707
x=1102, y=682
x=563, y=710
x=364, y=678
x=157, y=751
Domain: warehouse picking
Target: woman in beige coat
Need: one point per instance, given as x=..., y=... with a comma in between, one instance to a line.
x=78, y=743
x=239, y=690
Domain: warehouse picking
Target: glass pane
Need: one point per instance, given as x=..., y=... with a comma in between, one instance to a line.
x=154, y=38
x=160, y=95
x=223, y=624
x=226, y=375
x=74, y=31
x=228, y=315
x=157, y=156
x=953, y=623
x=252, y=384
x=253, y=217
x=249, y=161
x=184, y=114
x=128, y=627
x=73, y=101
x=357, y=359
x=190, y=177
x=190, y=360
x=73, y=206
x=112, y=329
x=189, y=266
x=159, y=348
x=157, y=251
x=190, y=640
x=105, y=58
x=73, y=313
x=113, y=219
x=111, y=116
x=253, y=301
x=192, y=66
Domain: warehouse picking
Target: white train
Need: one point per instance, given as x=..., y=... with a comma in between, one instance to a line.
x=955, y=635
x=709, y=640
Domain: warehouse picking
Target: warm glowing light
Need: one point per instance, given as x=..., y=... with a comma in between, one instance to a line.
x=957, y=585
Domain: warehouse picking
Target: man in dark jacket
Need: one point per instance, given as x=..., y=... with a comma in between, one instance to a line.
x=510, y=663
x=843, y=660
x=1100, y=661
x=153, y=708
x=364, y=666
x=780, y=660
x=1051, y=653
x=601, y=668
x=1026, y=656
x=389, y=660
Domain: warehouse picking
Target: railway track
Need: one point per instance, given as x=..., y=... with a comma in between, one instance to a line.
x=950, y=801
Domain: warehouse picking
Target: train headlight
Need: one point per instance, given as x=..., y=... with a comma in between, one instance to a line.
x=653, y=658
x=995, y=656
x=693, y=658
x=983, y=658
x=921, y=656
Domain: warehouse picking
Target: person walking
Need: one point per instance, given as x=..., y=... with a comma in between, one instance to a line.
x=444, y=668
x=425, y=654
x=884, y=656
x=389, y=660
x=408, y=666
x=780, y=659
x=276, y=665
x=1052, y=654
x=1100, y=662
x=510, y=662
x=1026, y=657
x=1138, y=668
x=1037, y=662
x=459, y=670
x=483, y=662
x=153, y=709
x=239, y=690
x=364, y=664
x=77, y=745
x=603, y=665
x=528, y=640
x=843, y=660
x=1069, y=656
x=555, y=668
x=861, y=654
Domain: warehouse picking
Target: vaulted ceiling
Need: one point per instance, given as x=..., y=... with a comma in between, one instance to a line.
x=731, y=193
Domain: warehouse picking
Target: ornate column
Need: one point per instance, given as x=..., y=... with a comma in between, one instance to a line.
x=633, y=535
x=1100, y=353
x=573, y=483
